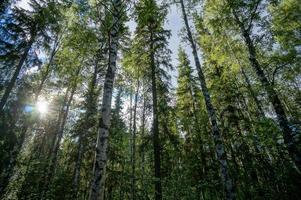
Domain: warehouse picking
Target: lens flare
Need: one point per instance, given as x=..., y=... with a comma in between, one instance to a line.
x=42, y=107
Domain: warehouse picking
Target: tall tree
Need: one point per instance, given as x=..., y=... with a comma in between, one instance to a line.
x=104, y=124
x=152, y=38
x=246, y=24
x=220, y=149
x=29, y=26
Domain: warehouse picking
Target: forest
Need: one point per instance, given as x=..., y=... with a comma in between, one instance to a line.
x=146, y=99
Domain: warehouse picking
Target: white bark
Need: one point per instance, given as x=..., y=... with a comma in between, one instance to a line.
x=104, y=123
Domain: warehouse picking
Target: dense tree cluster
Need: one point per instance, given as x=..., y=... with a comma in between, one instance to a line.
x=89, y=109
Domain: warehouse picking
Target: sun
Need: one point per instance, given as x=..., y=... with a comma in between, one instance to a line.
x=42, y=106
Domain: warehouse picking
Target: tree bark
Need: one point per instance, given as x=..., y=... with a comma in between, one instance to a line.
x=104, y=122
x=156, y=140
x=287, y=131
x=15, y=76
x=218, y=140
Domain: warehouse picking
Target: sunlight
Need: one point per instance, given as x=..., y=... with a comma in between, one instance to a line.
x=42, y=106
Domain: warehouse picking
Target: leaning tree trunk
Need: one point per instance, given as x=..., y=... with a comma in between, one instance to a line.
x=156, y=140
x=15, y=75
x=218, y=139
x=105, y=115
x=287, y=131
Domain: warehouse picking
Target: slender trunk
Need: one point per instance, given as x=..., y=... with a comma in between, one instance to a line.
x=134, y=143
x=194, y=107
x=45, y=75
x=218, y=140
x=9, y=171
x=142, y=147
x=57, y=141
x=256, y=100
x=249, y=85
x=87, y=124
x=156, y=140
x=198, y=129
x=104, y=122
x=27, y=126
x=110, y=193
x=131, y=135
x=15, y=76
x=287, y=131
x=76, y=176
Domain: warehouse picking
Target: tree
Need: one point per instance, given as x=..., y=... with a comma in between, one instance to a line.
x=152, y=38
x=245, y=25
x=220, y=152
x=102, y=143
x=28, y=27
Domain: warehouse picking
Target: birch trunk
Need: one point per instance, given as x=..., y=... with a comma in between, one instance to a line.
x=104, y=122
x=15, y=76
x=218, y=140
x=287, y=131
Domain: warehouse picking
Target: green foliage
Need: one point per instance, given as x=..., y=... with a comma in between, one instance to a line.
x=69, y=44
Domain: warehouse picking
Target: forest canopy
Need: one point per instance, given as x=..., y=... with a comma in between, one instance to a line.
x=146, y=99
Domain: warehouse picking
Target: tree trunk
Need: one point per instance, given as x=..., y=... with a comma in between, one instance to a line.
x=104, y=122
x=57, y=141
x=256, y=100
x=87, y=124
x=45, y=75
x=287, y=131
x=134, y=143
x=27, y=126
x=218, y=140
x=142, y=147
x=9, y=171
x=76, y=176
x=156, y=140
x=15, y=76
